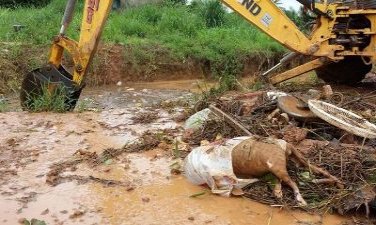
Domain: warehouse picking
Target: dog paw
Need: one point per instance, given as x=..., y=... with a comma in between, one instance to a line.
x=300, y=200
x=278, y=193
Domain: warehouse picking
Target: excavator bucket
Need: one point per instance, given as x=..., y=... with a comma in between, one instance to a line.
x=53, y=79
x=45, y=81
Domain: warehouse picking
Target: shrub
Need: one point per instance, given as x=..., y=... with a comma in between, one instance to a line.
x=214, y=13
x=16, y=3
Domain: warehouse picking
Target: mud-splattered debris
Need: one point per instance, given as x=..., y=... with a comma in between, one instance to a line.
x=58, y=179
x=28, y=197
x=145, y=199
x=293, y=134
x=22, y=221
x=12, y=142
x=146, y=142
x=181, y=116
x=363, y=196
x=64, y=211
x=130, y=188
x=45, y=212
x=77, y=214
x=360, y=221
x=145, y=117
x=176, y=168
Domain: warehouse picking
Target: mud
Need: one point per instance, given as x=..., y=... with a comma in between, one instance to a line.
x=129, y=186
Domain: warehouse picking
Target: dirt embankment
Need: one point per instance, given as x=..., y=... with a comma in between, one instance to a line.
x=115, y=63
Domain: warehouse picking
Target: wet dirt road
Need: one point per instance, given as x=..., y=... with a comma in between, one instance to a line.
x=131, y=188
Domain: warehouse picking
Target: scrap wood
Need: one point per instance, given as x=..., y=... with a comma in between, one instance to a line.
x=235, y=124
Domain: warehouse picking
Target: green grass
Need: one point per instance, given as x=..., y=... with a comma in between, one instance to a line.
x=48, y=101
x=186, y=30
x=202, y=31
x=3, y=105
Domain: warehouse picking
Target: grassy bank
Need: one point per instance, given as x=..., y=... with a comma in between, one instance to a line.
x=202, y=32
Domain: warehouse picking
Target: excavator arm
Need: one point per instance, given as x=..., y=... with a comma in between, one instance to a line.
x=265, y=15
x=94, y=18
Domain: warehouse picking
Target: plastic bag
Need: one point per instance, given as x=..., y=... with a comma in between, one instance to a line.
x=212, y=165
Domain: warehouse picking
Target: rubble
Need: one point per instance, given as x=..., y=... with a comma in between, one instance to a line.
x=333, y=168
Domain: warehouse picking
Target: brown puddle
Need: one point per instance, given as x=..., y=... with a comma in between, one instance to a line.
x=159, y=199
x=171, y=204
x=31, y=143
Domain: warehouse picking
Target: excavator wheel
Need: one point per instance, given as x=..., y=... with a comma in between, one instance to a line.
x=49, y=78
x=350, y=70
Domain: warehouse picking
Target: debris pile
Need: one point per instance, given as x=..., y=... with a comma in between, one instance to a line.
x=331, y=134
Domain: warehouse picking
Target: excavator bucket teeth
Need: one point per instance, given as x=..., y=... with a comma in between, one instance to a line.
x=44, y=81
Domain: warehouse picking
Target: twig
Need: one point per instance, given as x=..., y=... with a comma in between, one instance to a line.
x=235, y=124
x=323, y=181
x=366, y=96
x=317, y=135
x=352, y=146
x=364, y=141
x=198, y=194
x=341, y=166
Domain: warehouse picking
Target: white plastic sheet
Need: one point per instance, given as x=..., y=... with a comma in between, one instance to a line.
x=212, y=165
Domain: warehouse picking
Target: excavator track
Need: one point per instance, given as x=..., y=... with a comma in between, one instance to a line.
x=349, y=71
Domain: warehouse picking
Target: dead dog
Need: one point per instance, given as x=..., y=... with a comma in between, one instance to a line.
x=255, y=158
x=223, y=167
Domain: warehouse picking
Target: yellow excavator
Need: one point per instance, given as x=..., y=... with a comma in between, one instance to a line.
x=341, y=44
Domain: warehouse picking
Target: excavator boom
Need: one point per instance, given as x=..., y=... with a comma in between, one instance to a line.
x=271, y=20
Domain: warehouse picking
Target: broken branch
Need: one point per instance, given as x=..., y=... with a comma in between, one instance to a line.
x=235, y=124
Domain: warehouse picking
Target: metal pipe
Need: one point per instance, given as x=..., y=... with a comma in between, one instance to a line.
x=68, y=15
x=287, y=58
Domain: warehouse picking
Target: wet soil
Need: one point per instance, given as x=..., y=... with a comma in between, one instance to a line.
x=135, y=187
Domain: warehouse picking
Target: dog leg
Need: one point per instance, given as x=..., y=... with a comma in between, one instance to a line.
x=278, y=190
x=283, y=175
x=299, y=198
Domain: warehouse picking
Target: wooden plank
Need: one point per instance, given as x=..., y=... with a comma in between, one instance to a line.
x=309, y=66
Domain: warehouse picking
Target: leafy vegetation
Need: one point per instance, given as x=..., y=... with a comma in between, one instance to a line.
x=48, y=100
x=202, y=31
x=3, y=105
x=303, y=19
x=18, y=3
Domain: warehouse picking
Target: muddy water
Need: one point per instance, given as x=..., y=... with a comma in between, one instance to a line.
x=31, y=143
